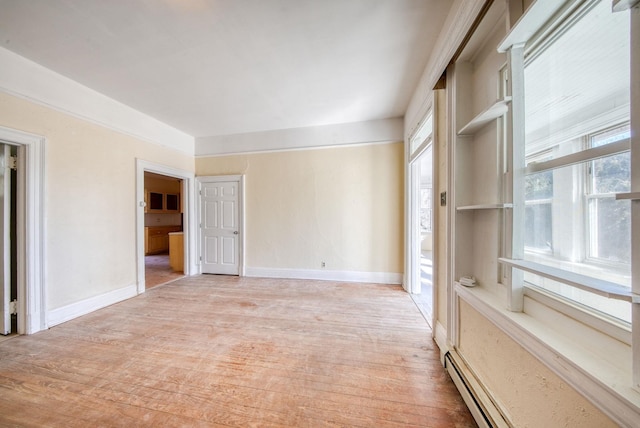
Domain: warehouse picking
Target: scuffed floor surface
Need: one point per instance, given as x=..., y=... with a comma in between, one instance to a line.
x=229, y=351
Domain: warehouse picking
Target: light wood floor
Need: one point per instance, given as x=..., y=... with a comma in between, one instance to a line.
x=228, y=351
x=157, y=270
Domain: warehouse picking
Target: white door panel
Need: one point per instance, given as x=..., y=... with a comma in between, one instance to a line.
x=220, y=231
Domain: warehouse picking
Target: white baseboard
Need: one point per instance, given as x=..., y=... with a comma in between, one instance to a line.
x=440, y=336
x=83, y=307
x=327, y=275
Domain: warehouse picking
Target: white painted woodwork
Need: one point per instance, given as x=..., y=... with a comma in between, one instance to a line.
x=635, y=189
x=496, y=110
x=515, y=143
x=31, y=230
x=220, y=227
x=588, y=283
x=602, y=383
x=483, y=207
x=5, y=247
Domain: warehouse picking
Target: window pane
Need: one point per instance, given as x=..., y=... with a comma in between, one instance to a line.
x=611, y=136
x=424, y=131
x=611, y=229
x=579, y=79
x=611, y=174
x=538, y=186
x=538, y=232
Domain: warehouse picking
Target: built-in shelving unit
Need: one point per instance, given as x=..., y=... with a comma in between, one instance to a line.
x=496, y=110
x=480, y=197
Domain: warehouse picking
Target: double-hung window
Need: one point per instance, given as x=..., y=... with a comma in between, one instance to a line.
x=572, y=232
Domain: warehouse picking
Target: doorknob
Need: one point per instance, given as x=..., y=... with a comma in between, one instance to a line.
x=235, y=232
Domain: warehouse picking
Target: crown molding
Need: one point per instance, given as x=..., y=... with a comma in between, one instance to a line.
x=26, y=79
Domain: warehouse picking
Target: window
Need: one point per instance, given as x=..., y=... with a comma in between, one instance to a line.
x=577, y=133
x=608, y=219
x=538, y=194
x=421, y=136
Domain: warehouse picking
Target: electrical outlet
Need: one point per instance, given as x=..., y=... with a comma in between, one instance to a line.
x=323, y=264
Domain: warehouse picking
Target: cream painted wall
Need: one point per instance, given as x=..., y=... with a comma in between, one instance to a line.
x=343, y=206
x=90, y=199
x=529, y=394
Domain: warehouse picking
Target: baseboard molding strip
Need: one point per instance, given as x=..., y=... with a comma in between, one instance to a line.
x=83, y=307
x=326, y=275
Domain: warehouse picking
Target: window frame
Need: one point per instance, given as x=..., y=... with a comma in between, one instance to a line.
x=533, y=35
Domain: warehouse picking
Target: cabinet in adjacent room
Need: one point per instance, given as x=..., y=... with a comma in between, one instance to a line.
x=156, y=238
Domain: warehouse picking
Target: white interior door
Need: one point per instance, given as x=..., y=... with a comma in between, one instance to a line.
x=220, y=227
x=5, y=249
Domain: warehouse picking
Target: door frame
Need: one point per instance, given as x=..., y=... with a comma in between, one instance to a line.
x=31, y=232
x=188, y=217
x=241, y=215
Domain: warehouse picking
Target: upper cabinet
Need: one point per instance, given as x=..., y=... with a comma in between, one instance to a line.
x=162, y=194
x=159, y=203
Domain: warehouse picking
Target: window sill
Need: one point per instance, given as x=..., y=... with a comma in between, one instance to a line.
x=576, y=358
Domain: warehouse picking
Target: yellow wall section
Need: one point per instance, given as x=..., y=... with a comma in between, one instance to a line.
x=529, y=393
x=90, y=199
x=342, y=206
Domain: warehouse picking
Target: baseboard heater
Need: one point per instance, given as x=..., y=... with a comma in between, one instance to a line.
x=484, y=411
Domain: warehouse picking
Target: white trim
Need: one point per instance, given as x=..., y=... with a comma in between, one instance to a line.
x=536, y=16
x=616, y=406
x=345, y=134
x=597, y=286
x=83, y=307
x=26, y=79
x=580, y=157
x=188, y=219
x=327, y=275
x=440, y=336
x=31, y=229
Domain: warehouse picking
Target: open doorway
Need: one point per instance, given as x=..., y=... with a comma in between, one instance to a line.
x=8, y=237
x=423, y=294
x=163, y=229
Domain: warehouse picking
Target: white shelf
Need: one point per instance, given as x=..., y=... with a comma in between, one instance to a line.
x=634, y=196
x=533, y=20
x=498, y=108
x=587, y=283
x=483, y=207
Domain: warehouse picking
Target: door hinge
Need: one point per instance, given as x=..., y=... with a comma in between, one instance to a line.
x=13, y=307
x=12, y=162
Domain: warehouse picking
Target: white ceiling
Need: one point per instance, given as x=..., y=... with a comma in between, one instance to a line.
x=220, y=67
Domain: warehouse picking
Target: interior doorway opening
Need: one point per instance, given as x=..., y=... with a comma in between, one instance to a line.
x=9, y=239
x=163, y=229
x=423, y=292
